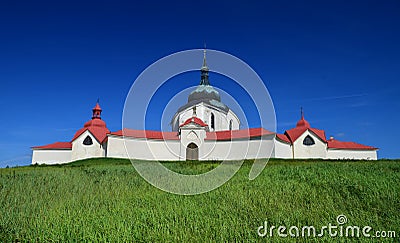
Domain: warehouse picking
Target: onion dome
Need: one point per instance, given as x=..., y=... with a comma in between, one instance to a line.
x=204, y=92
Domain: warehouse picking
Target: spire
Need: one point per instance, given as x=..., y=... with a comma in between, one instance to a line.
x=204, y=58
x=204, y=70
x=302, y=122
x=97, y=111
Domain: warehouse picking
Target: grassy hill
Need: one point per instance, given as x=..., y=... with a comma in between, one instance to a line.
x=106, y=200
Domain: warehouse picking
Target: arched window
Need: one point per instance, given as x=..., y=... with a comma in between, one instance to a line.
x=230, y=124
x=88, y=141
x=212, y=121
x=308, y=141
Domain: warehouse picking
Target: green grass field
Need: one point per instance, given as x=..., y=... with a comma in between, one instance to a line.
x=106, y=200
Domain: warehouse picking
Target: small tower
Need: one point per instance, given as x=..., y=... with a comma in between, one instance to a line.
x=97, y=111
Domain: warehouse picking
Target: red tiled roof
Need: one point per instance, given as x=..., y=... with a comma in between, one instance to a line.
x=97, y=127
x=302, y=122
x=294, y=133
x=98, y=132
x=220, y=135
x=146, y=134
x=320, y=133
x=335, y=144
x=56, y=145
x=237, y=134
x=302, y=125
x=195, y=120
x=283, y=138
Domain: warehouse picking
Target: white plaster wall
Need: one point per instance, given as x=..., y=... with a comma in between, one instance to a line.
x=51, y=156
x=81, y=151
x=237, y=149
x=318, y=150
x=282, y=150
x=174, y=150
x=116, y=148
x=352, y=154
x=143, y=148
x=204, y=113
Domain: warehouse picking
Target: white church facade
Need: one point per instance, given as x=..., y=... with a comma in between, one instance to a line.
x=203, y=129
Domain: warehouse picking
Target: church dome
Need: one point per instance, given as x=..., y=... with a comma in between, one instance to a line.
x=204, y=92
x=212, y=111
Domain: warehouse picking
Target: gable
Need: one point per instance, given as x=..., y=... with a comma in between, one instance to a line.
x=295, y=133
x=99, y=133
x=83, y=137
x=314, y=137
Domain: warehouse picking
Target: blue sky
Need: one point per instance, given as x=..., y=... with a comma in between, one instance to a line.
x=338, y=60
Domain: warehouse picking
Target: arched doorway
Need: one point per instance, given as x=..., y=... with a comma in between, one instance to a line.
x=192, y=152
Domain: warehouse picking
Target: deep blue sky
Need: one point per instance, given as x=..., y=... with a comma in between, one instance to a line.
x=338, y=60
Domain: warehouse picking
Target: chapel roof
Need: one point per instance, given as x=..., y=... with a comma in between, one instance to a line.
x=336, y=144
x=96, y=126
x=56, y=145
x=291, y=135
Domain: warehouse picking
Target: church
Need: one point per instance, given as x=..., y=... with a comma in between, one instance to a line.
x=202, y=129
